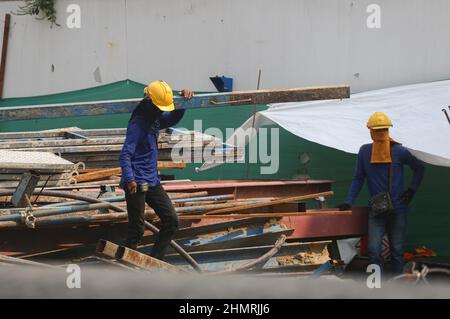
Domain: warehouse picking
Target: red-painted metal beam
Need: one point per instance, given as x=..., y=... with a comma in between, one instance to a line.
x=320, y=226
x=253, y=188
x=331, y=226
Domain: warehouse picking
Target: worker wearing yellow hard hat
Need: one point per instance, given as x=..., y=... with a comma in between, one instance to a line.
x=379, y=125
x=139, y=162
x=381, y=164
x=161, y=95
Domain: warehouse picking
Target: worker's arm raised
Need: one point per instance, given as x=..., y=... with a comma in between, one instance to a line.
x=168, y=119
x=172, y=118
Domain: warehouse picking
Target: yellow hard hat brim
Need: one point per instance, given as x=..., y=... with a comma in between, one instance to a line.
x=166, y=108
x=379, y=127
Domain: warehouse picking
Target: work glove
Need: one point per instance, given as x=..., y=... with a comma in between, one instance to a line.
x=344, y=206
x=407, y=196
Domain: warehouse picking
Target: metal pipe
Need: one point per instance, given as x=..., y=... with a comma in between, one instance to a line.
x=9, y=192
x=205, y=208
x=58, y=211
x=13, y=220
x=117, y=199
x=153, y=228
x=197, y=101
x=82, y=219
x=203, y=198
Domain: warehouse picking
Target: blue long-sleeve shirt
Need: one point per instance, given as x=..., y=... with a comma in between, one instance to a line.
x=378, y=174
x=139, y=156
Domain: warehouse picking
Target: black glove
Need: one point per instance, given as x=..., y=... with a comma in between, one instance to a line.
x=344, y=206
x=407, y=196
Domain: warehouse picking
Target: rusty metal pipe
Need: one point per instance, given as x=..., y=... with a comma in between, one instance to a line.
x=8, y=192
x=153, y=228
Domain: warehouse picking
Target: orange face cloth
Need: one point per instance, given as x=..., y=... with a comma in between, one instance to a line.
x=381, y=147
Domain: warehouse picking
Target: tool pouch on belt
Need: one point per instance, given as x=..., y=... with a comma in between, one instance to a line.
x=382, y=202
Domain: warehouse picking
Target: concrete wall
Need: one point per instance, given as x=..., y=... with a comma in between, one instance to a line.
x=294, y=42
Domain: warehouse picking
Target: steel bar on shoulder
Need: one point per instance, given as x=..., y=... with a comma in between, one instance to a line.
x=198, y=101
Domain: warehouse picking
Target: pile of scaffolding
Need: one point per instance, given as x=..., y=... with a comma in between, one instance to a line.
x=96, y=152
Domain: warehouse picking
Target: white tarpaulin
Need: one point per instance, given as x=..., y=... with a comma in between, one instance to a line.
x=416, y=111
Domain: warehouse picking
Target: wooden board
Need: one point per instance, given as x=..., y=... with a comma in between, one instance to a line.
x=133, y=257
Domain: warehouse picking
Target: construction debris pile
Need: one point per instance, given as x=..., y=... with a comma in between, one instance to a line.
x=225, y=226
x=72, y=209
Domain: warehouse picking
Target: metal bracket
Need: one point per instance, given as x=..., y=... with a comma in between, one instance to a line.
x=28, y=218
x=26, y=186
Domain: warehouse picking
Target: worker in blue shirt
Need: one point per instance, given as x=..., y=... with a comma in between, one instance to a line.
x=139, y=163
x=376, y=162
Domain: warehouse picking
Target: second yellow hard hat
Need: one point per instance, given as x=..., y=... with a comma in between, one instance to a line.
x=379, y=121
x=161, y=95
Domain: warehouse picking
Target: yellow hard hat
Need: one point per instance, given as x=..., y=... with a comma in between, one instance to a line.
x=379, y=121
x=161, y=95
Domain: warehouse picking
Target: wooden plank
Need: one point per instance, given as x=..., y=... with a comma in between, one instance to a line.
x=171, y=165
x=198, y=101
x=105, y=173
x=143, y=261
x=187, y=195
x=98, y=174
x=270, y=203
x=134, y=258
